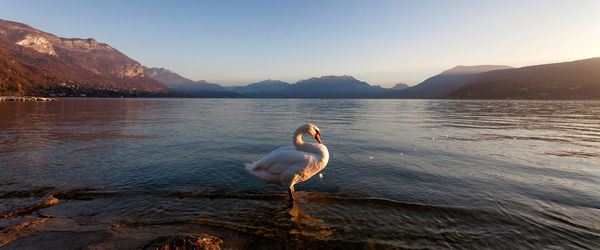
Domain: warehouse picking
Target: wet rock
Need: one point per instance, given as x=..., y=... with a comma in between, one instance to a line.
x=17, y=227
x=180, y=242
x=12, y=207
x=59, y=240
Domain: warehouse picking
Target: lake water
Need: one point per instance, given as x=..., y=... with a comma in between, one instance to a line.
x=402, y=173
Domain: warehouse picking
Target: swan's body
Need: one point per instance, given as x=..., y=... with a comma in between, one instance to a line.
x=289, y=165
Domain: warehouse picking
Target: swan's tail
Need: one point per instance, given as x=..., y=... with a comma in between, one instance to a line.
x=262, y=175
x=248, y=166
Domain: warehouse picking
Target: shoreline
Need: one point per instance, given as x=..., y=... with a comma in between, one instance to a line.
x=26, y=99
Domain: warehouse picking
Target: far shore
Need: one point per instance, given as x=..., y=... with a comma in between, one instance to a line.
x=26, y=99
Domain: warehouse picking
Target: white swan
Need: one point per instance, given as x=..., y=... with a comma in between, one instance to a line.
x=289, y=165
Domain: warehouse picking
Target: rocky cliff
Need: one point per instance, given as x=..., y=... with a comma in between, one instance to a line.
x=39, y=63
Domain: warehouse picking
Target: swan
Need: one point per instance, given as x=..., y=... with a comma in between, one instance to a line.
x=289, y=165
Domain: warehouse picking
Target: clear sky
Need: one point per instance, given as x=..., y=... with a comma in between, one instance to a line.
x=381, y=42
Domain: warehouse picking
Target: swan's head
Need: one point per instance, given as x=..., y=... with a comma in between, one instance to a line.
x=310, y=129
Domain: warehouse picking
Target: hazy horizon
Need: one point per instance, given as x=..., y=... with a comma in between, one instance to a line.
x=380, y=42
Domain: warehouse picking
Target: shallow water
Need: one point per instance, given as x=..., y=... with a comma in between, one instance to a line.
x=402, y=173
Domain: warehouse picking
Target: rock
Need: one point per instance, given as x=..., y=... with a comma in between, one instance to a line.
x=17, y=227
x=59, y=240
x=12, y=207
x=181, y=242
x=37, y=43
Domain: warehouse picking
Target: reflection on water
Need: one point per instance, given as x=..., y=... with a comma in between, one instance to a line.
x=304, y=224
x=402, y=173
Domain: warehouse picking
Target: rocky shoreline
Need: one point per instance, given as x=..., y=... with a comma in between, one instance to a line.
x=25, y=226
x=26, y=99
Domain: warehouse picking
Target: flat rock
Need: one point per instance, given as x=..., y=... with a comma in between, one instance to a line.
x=59, y=240
x=11, y=207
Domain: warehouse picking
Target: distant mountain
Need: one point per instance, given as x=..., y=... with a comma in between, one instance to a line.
x=265, y=87
x=568, y=80
x=186, y=87
x=327, y=87
x=461, y=69
x=400, y=86
x=167, y=77
x=439, y=86
x=34, y=62
x=316, y=87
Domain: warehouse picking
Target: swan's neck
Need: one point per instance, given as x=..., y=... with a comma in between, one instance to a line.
x=314, y=148
x=298, y=142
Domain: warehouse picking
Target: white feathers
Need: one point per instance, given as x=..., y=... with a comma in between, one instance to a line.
x=289, y=165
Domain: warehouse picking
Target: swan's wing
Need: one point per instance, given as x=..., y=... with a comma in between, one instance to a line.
x=283, y=159
x=267, y=161
x=286, y=148
x=282, y=165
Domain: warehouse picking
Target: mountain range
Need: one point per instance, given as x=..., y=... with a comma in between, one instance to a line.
x=328, y=87
x=316, y=87
x=439, y=86
x=569, y=80
x=33, y=62
x=262, y=88
x=183, y=87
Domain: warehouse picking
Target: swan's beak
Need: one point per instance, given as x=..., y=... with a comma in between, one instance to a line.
x=318, y=138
